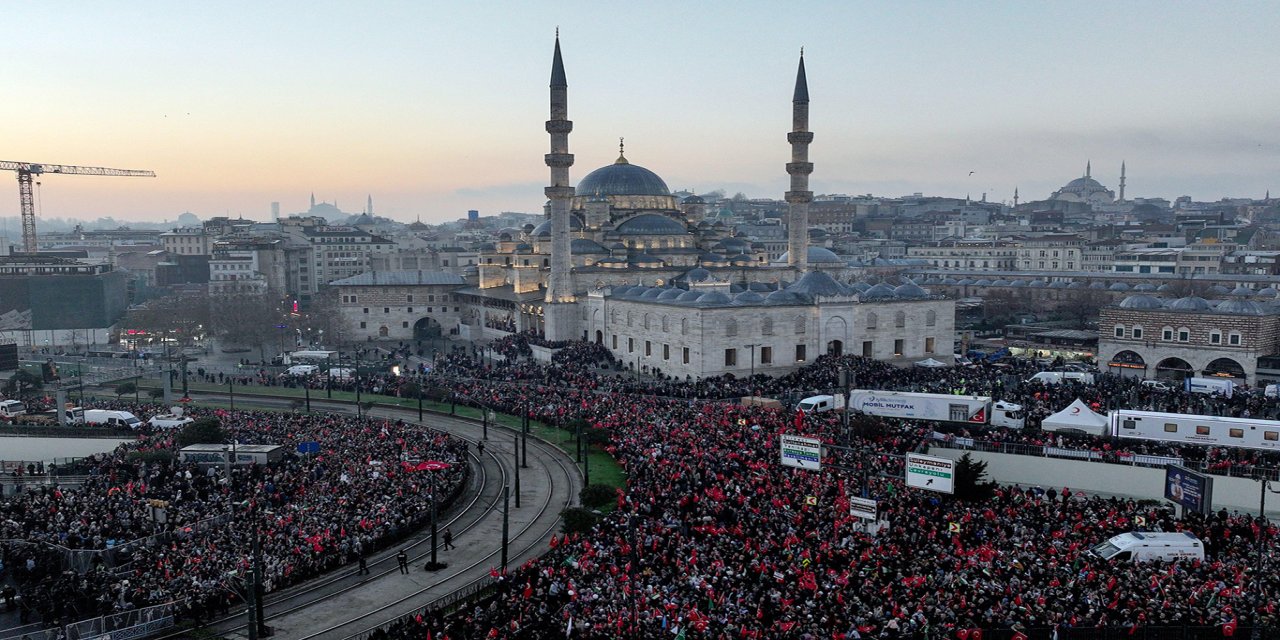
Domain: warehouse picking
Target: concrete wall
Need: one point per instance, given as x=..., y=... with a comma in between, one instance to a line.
x=1233, y=494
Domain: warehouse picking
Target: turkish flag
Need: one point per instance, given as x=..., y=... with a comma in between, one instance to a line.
x=799, y=418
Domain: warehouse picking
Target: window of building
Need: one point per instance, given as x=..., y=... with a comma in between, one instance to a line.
x=666, y=352
x=730, y=357
x=1136, y=331
x=928, y=345
x=1166, y=334
x=1215, y=337
x=897, y=347
x=799, y=325
x=931, y=318
x=408, y=309
x=362, y=325
x=1233, y=339
x=872, y=319
x=408, y=298
x=685, y=355
x=631, y=345
x=684, y=326
x=766, y=326
x=800, y=353
x=1119, y=331
x=404, y=325
x=366, y=309
x=868, y=348
x=730, y=327
x=648, y=348
x=1184, y=334
x=900, y=319
x=615, y=341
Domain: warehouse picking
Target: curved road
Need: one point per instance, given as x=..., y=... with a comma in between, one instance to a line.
x=341, y=605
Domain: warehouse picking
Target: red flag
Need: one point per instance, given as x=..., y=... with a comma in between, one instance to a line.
x=975, y=634
x=962, y=634
x=799, y=418
x=1018, y=635
x=1229, y=629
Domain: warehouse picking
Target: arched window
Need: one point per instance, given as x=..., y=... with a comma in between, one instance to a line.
x=899, y=319
x=1215, y=336
x=1136, y=332
x=631, y=318
x=799, y=325
x=1119, y=331
x=1234, y=339
x=872, y=319
x=766, y=326
x=1166, y=334
x=731, y=327
x=931, y=318
x=665, y=327
x=645, y=322
x=1184, y=334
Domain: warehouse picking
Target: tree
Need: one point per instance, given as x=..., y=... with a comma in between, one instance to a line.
x=597, y=495
x=126, y=388
x=202, y=431
x=156, y=393
x=971, y=482
x=325, y=320
x=578, y=520
x=250, y=321
x=1084, y=306
x=409, y=390
x=22, y=382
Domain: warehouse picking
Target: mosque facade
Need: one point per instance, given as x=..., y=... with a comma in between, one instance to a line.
x=623, y=262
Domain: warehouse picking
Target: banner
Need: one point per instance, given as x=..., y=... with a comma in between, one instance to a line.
x=1194, y=491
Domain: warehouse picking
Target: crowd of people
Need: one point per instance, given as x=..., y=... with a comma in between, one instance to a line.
x=314, y=512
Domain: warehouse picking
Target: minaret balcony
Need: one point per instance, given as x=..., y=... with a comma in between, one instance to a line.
x=558, y=193
x=799, y=197
x=559, y=160
x=559, y=126
x=799, y=168
x=800, y=137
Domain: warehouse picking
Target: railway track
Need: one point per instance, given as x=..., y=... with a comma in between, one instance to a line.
x=307, y=611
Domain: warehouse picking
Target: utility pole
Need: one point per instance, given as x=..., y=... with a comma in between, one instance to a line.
x=506, y=516
x=419, y=397
x=844, y=417
x=306, y=390
x=516, y=438
x=231, y=391
x=524, y=434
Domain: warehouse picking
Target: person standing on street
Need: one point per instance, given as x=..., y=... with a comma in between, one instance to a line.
x=448, y=539
x=403, y=559
x=364, y=566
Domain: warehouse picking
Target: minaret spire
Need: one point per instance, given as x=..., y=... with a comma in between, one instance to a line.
x=799, y=197
x=313, y=199
x=559, y=310
x=1087, y=169
x=369, y=206
x=1015, y=196
x=1122, y=181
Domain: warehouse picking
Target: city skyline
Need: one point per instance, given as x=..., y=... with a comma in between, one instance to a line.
x=438, y=109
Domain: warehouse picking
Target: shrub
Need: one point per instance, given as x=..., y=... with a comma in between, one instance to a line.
x=597, y=495
x=578, y=520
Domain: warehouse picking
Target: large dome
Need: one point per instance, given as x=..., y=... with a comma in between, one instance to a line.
x=651, y=224
x=1086, y=182
x=622, y=179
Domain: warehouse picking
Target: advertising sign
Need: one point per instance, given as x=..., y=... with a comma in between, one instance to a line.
x=1194, y=491
x=801, y=452
x=930, y=473
x=863, y=508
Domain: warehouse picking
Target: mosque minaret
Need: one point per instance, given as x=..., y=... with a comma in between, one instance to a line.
x=560, y=310
x=799, y=197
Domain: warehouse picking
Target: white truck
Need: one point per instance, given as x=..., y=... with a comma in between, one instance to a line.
x=12, y=408
x=819, y=404
x=169, y=421
x=938, y=407
x=1143, y=546
x=1059, y=377
x=112, y=418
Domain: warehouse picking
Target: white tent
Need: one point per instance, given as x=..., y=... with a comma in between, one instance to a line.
x=1077, y=418
x=930, y=363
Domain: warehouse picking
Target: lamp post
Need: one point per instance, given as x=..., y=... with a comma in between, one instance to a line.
x=433, y=467
x=753, y=364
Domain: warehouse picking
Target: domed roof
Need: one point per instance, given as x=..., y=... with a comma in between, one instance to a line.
x=782, y=296
x=504, y=236
x=1000, y=283
x=1037, y=283
x=714, y=297
x=1118, y=286
x=1141, y=302
x=1057, y=284
x=1145, y=286
x=910, y=290
x=1266, y=292
x=1190, y=303
x=881, y=291
x=1098, y=285
x=621, y=290
x=1018, y=283
x=651, y=294
x=1076, y=285
x=816, y=255
x=689, y=296
x=748, y=297
x=861, y=286
x=983, y=282
x=622, y=179
x=741, y=258
x=949, y=281
x=697, y=274
x=965, y=281
x=644, y=258
x=818, y=283
x=651, y=224
x=544, y=227
x=1241, y=307
x=585, y=246
x=1085, y=182
x=1242, y=291
x=693, y=199
x=670, y=294
x=1217, y=290
x=524, y=247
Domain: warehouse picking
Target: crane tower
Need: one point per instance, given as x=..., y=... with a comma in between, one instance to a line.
x=28, y=170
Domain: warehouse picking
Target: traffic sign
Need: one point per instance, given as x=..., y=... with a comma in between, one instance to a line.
x=811, y=501
x=801, y=452
x=931, y=473
x=863, y=508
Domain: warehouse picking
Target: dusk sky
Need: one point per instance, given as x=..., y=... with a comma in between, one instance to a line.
x=438, y=107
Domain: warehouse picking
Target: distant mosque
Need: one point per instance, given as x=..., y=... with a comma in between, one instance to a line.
x=332, y=213
x=1089, y=191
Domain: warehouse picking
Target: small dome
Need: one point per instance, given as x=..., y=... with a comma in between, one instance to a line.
x=1141, y=302
x=1145, y=286
x=1057, y=284
x=1000, y=283
x=965, y=281
x=504, y=237
x=949, y=281
x=1119, y=286
x=689, y=296
x=1164, y=288
x=693, y=199
x=1266, y=292
x=620, y=290
x=543, y=230
x=983, y=282
x=781, y=296
x=651, y=294
x=528, y=228
x=1242, y=291
x=818, y=283
x=1076, y=285
x=714, y=297
x=617, y=246
x=583, y=246
x=697, y=274
x=1241, y=307
x=670, y=294
x=1217, y=290
x=879, y=292
x=816, y=255
x=742, y=259
x=1190, y=303
x=651, y=224
x=1018, y=283
x=524, y=247
x=644, y=258
x=748, y=297
x=910, y=290
x=861, y=286
x=1098, y=285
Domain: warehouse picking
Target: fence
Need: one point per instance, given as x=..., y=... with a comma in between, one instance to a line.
x=476, y=591
x=127, y=625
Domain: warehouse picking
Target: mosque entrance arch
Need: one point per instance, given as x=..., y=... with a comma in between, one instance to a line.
x=1128, y=364
x=1174, y=369
x=1224, y=368
x=427, y=328
x=835, y=348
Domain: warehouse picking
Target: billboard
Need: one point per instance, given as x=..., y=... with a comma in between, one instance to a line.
x=1193, y=491
x=931, y=473
x=801, y=452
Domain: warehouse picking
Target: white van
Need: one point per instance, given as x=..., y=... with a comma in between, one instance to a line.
x=12, y=409
x=1222, y=386
x=1271, y=391
x=1059, y=377
x=112, y=418
x=819, y=404
x=169, y=421
x=1142, y=546
x=302, y=369
x=1162, y=385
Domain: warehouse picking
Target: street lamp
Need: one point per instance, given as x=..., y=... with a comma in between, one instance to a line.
x=433, y=467
x=753, y=364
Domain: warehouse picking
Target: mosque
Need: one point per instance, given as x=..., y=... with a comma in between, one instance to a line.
x=622, y=262
x=1089, y=191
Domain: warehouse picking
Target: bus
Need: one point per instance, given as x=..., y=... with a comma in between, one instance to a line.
x=1212, y=431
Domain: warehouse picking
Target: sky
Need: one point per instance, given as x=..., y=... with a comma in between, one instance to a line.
x=434, y=108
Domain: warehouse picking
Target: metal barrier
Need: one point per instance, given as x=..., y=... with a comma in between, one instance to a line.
x=127, y=625
x=34, y=630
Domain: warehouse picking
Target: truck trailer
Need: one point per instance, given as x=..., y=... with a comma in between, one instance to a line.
x=937, y=407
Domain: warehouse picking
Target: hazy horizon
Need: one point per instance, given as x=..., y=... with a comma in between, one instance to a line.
x=437, y=109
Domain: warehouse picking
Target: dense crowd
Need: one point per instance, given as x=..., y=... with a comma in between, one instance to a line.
x=314, y=512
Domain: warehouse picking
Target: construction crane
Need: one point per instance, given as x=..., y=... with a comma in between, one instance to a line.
x=27, y=170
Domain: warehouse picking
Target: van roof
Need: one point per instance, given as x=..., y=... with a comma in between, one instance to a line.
x=1158, y=537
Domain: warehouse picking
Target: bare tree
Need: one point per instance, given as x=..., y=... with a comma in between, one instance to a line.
x=1084, y=305
x=325, y=315
x=248, y=320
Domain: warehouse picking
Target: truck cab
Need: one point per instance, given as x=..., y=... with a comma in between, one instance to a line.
x=12, y=408
x=1007, y=414
x=819, y=404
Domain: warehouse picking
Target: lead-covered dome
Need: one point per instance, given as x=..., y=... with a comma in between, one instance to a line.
x=651, y=224
x=1190, y=303
x=622, y=179
x=1141, y=302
